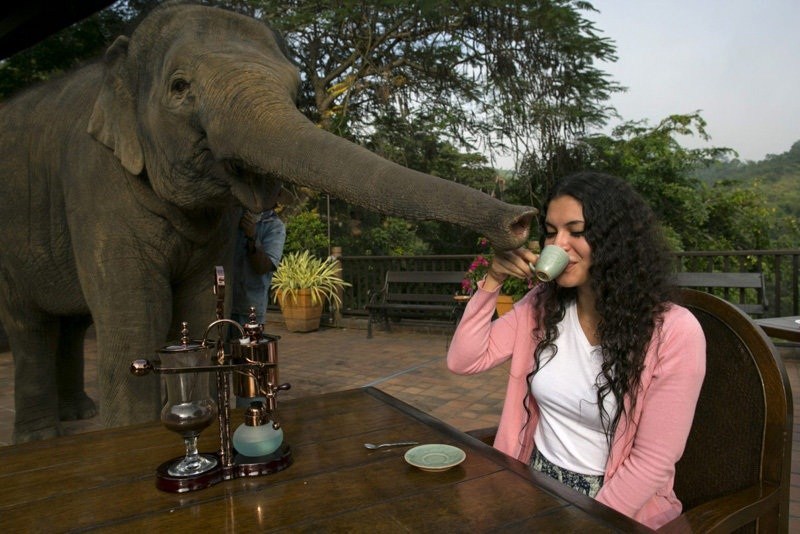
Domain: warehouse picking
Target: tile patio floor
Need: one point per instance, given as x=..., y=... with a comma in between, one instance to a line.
x=406, y=364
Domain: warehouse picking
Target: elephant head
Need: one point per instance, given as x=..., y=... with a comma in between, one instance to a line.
x=200, y=102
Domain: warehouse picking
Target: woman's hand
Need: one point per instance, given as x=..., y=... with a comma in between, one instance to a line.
x=516, y=263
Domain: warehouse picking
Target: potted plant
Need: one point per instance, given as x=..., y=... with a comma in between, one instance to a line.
x=302, y=284
x=512, y=290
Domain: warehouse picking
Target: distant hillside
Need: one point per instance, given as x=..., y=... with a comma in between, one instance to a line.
x=779, y=175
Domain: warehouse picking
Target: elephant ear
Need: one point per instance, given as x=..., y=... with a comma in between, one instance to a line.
x=113, y=120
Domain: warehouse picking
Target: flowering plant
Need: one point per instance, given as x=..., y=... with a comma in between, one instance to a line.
x=477, y=270
x=480, y=266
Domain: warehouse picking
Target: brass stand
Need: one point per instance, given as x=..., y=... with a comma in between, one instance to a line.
x=254, y=360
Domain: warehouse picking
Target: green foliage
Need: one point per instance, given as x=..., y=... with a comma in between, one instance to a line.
x=383, y=236
x=305, y=231
x=396, y=237
x=301, y=270
x=739, y=216
x=516, y=288
x=777, y=179
x=695, y=216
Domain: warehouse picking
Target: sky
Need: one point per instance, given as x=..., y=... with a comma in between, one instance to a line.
x=737, y=62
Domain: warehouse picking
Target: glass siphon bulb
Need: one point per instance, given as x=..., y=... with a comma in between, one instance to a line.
x=258, y=440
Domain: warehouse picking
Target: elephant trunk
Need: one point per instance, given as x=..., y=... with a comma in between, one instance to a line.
x=290, y=147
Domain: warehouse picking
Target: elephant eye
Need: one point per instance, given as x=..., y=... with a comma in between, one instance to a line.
x=179, y=85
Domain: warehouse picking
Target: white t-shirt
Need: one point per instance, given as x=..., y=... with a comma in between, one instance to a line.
x=570, y=431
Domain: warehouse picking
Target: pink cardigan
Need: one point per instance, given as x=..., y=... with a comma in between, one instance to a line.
x=640, y=472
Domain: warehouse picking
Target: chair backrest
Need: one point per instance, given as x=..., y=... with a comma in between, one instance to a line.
x=423, y=286
x=742, y=429
x=746, y=290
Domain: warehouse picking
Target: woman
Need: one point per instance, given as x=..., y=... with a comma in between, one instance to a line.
x=605, y=370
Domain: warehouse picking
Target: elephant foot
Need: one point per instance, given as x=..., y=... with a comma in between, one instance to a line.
x=79, y=407
x=27, y=435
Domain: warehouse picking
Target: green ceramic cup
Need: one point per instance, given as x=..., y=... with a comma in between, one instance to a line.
x=552, y=262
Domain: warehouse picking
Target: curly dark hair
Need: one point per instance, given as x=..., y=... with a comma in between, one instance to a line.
x=630, y=275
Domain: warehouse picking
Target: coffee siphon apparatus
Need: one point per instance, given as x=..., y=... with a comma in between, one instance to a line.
x=248, y=370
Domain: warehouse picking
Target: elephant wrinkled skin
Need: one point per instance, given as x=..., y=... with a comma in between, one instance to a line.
x=117, y=184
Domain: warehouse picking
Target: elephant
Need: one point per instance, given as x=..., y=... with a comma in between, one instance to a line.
x=118, y=181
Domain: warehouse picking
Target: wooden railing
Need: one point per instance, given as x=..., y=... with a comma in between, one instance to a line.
x=781, y=270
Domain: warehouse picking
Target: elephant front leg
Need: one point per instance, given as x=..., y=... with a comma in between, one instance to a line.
x=35, y=389
x=73, y=402
x=124, y=398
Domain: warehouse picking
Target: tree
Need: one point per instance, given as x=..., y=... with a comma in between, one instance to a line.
x=778, y=175
x=492, y=73
x=395, y=237
x=739, y=216
x=696, y=216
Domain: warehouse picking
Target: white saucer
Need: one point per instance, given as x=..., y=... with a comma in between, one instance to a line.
x=435, y=457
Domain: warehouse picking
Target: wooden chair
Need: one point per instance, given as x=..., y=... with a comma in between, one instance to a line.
x=735, y=472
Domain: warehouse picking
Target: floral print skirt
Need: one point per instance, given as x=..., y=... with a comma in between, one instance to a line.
x=586, y=484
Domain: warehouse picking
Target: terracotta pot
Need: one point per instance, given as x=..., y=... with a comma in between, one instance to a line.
x=504, y=304
x=300, y=315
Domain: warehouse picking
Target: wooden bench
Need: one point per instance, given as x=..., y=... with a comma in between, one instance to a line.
x=427, y=295
x=745, y=290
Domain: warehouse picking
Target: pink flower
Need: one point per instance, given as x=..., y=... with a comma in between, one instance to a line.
x=477, y=270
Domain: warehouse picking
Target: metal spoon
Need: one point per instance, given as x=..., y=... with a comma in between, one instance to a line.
x=372, y=446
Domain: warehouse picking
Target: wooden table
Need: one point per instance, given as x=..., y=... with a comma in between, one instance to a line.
x=106, y=480
x=781, y=327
